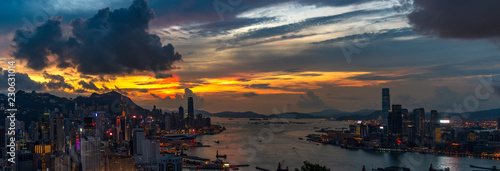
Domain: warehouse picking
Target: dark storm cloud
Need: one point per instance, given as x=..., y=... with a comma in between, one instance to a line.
x=293, y=70
x=250, y=94
x=56, y=82
x=461, y=19
x=88, y=86
x=22, y=80
x=110, y=42
x=34, y=46
x=259, y=86
x=310, y=101
x=162, y=75
x=243, y=80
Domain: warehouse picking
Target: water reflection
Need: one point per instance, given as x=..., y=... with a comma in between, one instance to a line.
x=240, y=144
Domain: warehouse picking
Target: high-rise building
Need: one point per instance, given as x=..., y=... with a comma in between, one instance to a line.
x=199, y=121
x=138, y=140
x=60, y=135
x=386, y=102
x=121, y=127
x=89, y=126
x=180, y=119
x=44, y=127
x=434, y=123
x=90, y=154
x=190, y=112
x=99, y=122
x=395, y=121
x=168, y=122
x=419, y=115
x=42, y=157
x=62, y=163
x=407, y=121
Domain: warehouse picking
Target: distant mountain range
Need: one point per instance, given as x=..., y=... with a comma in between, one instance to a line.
x=32, y=105
x=327, y=113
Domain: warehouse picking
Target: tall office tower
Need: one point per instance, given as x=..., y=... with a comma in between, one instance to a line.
x=60, y=135
x=386, y=102
x=180, y=122
x=138, y=139
x=419, y=115
x=90, y=154
x=190, y=111
x=395, y=125
x=118, y=128
x=407, y=121
x=434, y=117
x=167, y=123
x=99, y=122
x=199, y=121
x=150, y=151
x=121, y=126
x=433, y=123
x=44, y=127
x=127, y=133
x=395, y=121
x=42, y=157
x=89, y=126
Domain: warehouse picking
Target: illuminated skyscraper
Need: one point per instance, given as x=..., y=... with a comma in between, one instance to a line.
x=386, y=102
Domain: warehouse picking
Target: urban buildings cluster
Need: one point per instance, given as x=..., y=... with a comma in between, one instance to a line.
x=398, y=129
x=90, y=138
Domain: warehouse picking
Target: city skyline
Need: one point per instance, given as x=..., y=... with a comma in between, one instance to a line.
x=258, y=55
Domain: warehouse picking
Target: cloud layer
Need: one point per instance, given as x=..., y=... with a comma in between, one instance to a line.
x=462, y=19
x=110, y=42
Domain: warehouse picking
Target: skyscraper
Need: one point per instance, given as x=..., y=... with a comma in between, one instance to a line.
x=190, y=112
x=386, y=102
x=90, y=154
x=138, y=139
x=419, y=115
x=395, y=120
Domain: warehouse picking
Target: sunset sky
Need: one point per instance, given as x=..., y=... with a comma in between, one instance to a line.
x=256, y=55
